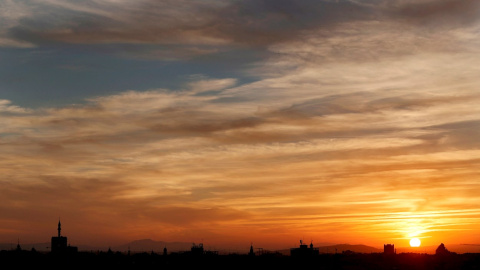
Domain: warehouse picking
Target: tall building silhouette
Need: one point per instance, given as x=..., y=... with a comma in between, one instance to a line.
x=389, y=249
x=59, y=242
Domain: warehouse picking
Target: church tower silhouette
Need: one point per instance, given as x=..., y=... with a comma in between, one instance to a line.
x=59, y=243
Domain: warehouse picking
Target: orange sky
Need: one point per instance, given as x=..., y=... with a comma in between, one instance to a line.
x=361, y=131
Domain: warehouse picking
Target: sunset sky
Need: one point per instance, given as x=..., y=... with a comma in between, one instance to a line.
x=231, y=122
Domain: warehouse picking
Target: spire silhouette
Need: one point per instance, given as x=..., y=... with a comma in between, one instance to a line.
x=59, y=228
x=18, y=244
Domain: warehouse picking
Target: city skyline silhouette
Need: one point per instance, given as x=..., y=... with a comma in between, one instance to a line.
x=61, y=245
x=304, y=255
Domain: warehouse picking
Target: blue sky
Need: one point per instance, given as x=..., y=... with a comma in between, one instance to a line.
x=64, y=75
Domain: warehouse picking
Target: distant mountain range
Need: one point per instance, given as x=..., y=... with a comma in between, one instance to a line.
x=148, y=245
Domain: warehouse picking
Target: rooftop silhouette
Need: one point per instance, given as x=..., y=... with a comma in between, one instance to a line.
x=304, y=250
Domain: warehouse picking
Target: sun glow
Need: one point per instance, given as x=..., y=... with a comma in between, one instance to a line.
x=415, y=242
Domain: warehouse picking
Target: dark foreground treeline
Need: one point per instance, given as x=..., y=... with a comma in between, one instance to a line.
x=110, y=260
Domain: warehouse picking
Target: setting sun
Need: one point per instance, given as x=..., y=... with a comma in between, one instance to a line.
x=415, y=242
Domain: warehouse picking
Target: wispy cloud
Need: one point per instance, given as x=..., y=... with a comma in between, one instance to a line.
x=180, y=29
x=198, y=154
x=358, y=121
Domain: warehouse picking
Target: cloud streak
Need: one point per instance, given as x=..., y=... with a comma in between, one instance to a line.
x=160, y=152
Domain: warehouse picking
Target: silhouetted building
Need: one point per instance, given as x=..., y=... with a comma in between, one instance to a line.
x=304, y=250
x=251, y=253
x=389, y=249
x=442, y=250
x=197, y=249
x=19, y=248
x=59, y=243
